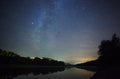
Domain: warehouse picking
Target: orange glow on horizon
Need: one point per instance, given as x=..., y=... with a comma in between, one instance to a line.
x=76, y=60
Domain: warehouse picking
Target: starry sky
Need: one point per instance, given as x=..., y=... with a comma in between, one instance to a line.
x=67, y=30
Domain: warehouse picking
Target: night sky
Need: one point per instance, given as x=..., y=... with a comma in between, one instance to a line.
x=67, y=30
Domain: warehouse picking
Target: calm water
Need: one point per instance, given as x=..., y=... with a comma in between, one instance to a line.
x=72, y=73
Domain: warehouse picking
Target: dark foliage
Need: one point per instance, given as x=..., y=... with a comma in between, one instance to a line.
x=8, y=58
x=109, y=54
x=109, y=51
x=108, y=62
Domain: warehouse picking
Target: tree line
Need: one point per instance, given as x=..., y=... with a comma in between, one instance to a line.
x=11, y=58
x=109, y=53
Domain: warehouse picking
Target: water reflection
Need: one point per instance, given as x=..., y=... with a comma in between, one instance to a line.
x=46, y=73
x=11, y=73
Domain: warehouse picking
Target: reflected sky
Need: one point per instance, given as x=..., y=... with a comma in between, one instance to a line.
x=72, y=73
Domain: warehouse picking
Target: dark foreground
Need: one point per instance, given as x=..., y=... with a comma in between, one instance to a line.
x=59, y=72
x=112, y=72
x=45, y=73
x=108, y=73
x=12, y=72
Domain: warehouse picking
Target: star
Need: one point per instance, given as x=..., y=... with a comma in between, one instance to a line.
x=32, y=23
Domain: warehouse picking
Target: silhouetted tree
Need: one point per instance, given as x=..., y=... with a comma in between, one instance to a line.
x=10, y=58
x=109, y=51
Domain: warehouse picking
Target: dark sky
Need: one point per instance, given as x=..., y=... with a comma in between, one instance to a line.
x=68, y=30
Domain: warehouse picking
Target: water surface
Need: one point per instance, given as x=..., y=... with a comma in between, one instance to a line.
x=72, y=73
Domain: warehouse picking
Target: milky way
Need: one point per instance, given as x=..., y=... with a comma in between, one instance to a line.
x=68, y=30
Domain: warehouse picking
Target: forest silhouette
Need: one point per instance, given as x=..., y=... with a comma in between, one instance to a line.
x=109, y=54
x=8, y=58
x=13, y=65
x=106, y=65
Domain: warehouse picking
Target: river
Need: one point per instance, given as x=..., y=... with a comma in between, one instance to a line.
x=67, y=73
